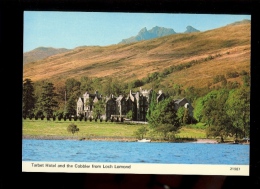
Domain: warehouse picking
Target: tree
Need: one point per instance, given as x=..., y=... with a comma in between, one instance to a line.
x=164, y=118
x=191, y=93
x=141, y=132
x=215, y=114
x=47, y=99
x=28, y=97
x=99, y=109
x=61, y=96
x=180, y=114
x=113, y=86
x=72, y=128
x=152, y=105
x=71, y=106
x=89, y=103
x=177, y=90
x=186, y=116
x=199, y=105
x=238, y=109
x=72, y=87
x=86, y=84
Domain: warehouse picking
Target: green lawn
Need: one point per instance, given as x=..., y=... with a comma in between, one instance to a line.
x=98, y=129
x=191, y=133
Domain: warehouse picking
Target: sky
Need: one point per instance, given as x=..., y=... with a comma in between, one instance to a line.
x=73, y=29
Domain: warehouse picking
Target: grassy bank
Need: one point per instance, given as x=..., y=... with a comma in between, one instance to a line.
x=95, y=130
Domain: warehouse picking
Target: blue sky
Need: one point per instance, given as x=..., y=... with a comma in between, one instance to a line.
x=73, y=29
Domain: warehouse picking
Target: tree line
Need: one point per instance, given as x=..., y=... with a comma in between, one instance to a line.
x=224, y=108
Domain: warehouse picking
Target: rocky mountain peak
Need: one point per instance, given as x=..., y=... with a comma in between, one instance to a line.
x=190, y=29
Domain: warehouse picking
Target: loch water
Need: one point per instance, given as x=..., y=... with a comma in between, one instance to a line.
x=134, y=152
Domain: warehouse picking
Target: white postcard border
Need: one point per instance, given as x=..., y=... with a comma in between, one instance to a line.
x=135, y=168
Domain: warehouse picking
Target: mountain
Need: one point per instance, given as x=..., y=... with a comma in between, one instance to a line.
x=201, y=55
x=190, y=29
x=145, y=34
x=41, y=53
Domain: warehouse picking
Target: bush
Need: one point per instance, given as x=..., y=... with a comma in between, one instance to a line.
x=80, y=118
x=60, y=115
x=218, y=78
x=243, y=72
x=72, y=128
x=39, y=113
x=31, y=115
x=232, y=74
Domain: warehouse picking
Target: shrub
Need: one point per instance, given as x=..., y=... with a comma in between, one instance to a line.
x=60, y=115
x=72, y=128
x=243, y=72
x=218, y=78
x=31, y=116
x=232, y=74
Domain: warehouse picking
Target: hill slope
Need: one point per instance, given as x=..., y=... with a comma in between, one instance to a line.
x=229, y=46
x=41, y=53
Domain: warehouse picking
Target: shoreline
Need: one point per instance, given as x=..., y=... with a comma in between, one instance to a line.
x=120, y=139
x=90, y=138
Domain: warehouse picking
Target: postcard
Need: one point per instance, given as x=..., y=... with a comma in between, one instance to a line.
x=137, y=93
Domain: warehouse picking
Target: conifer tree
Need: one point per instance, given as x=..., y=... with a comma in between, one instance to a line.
x=47, y=100
x=28, y=97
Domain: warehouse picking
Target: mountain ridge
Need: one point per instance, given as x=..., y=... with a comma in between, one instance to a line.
x=155, y=32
